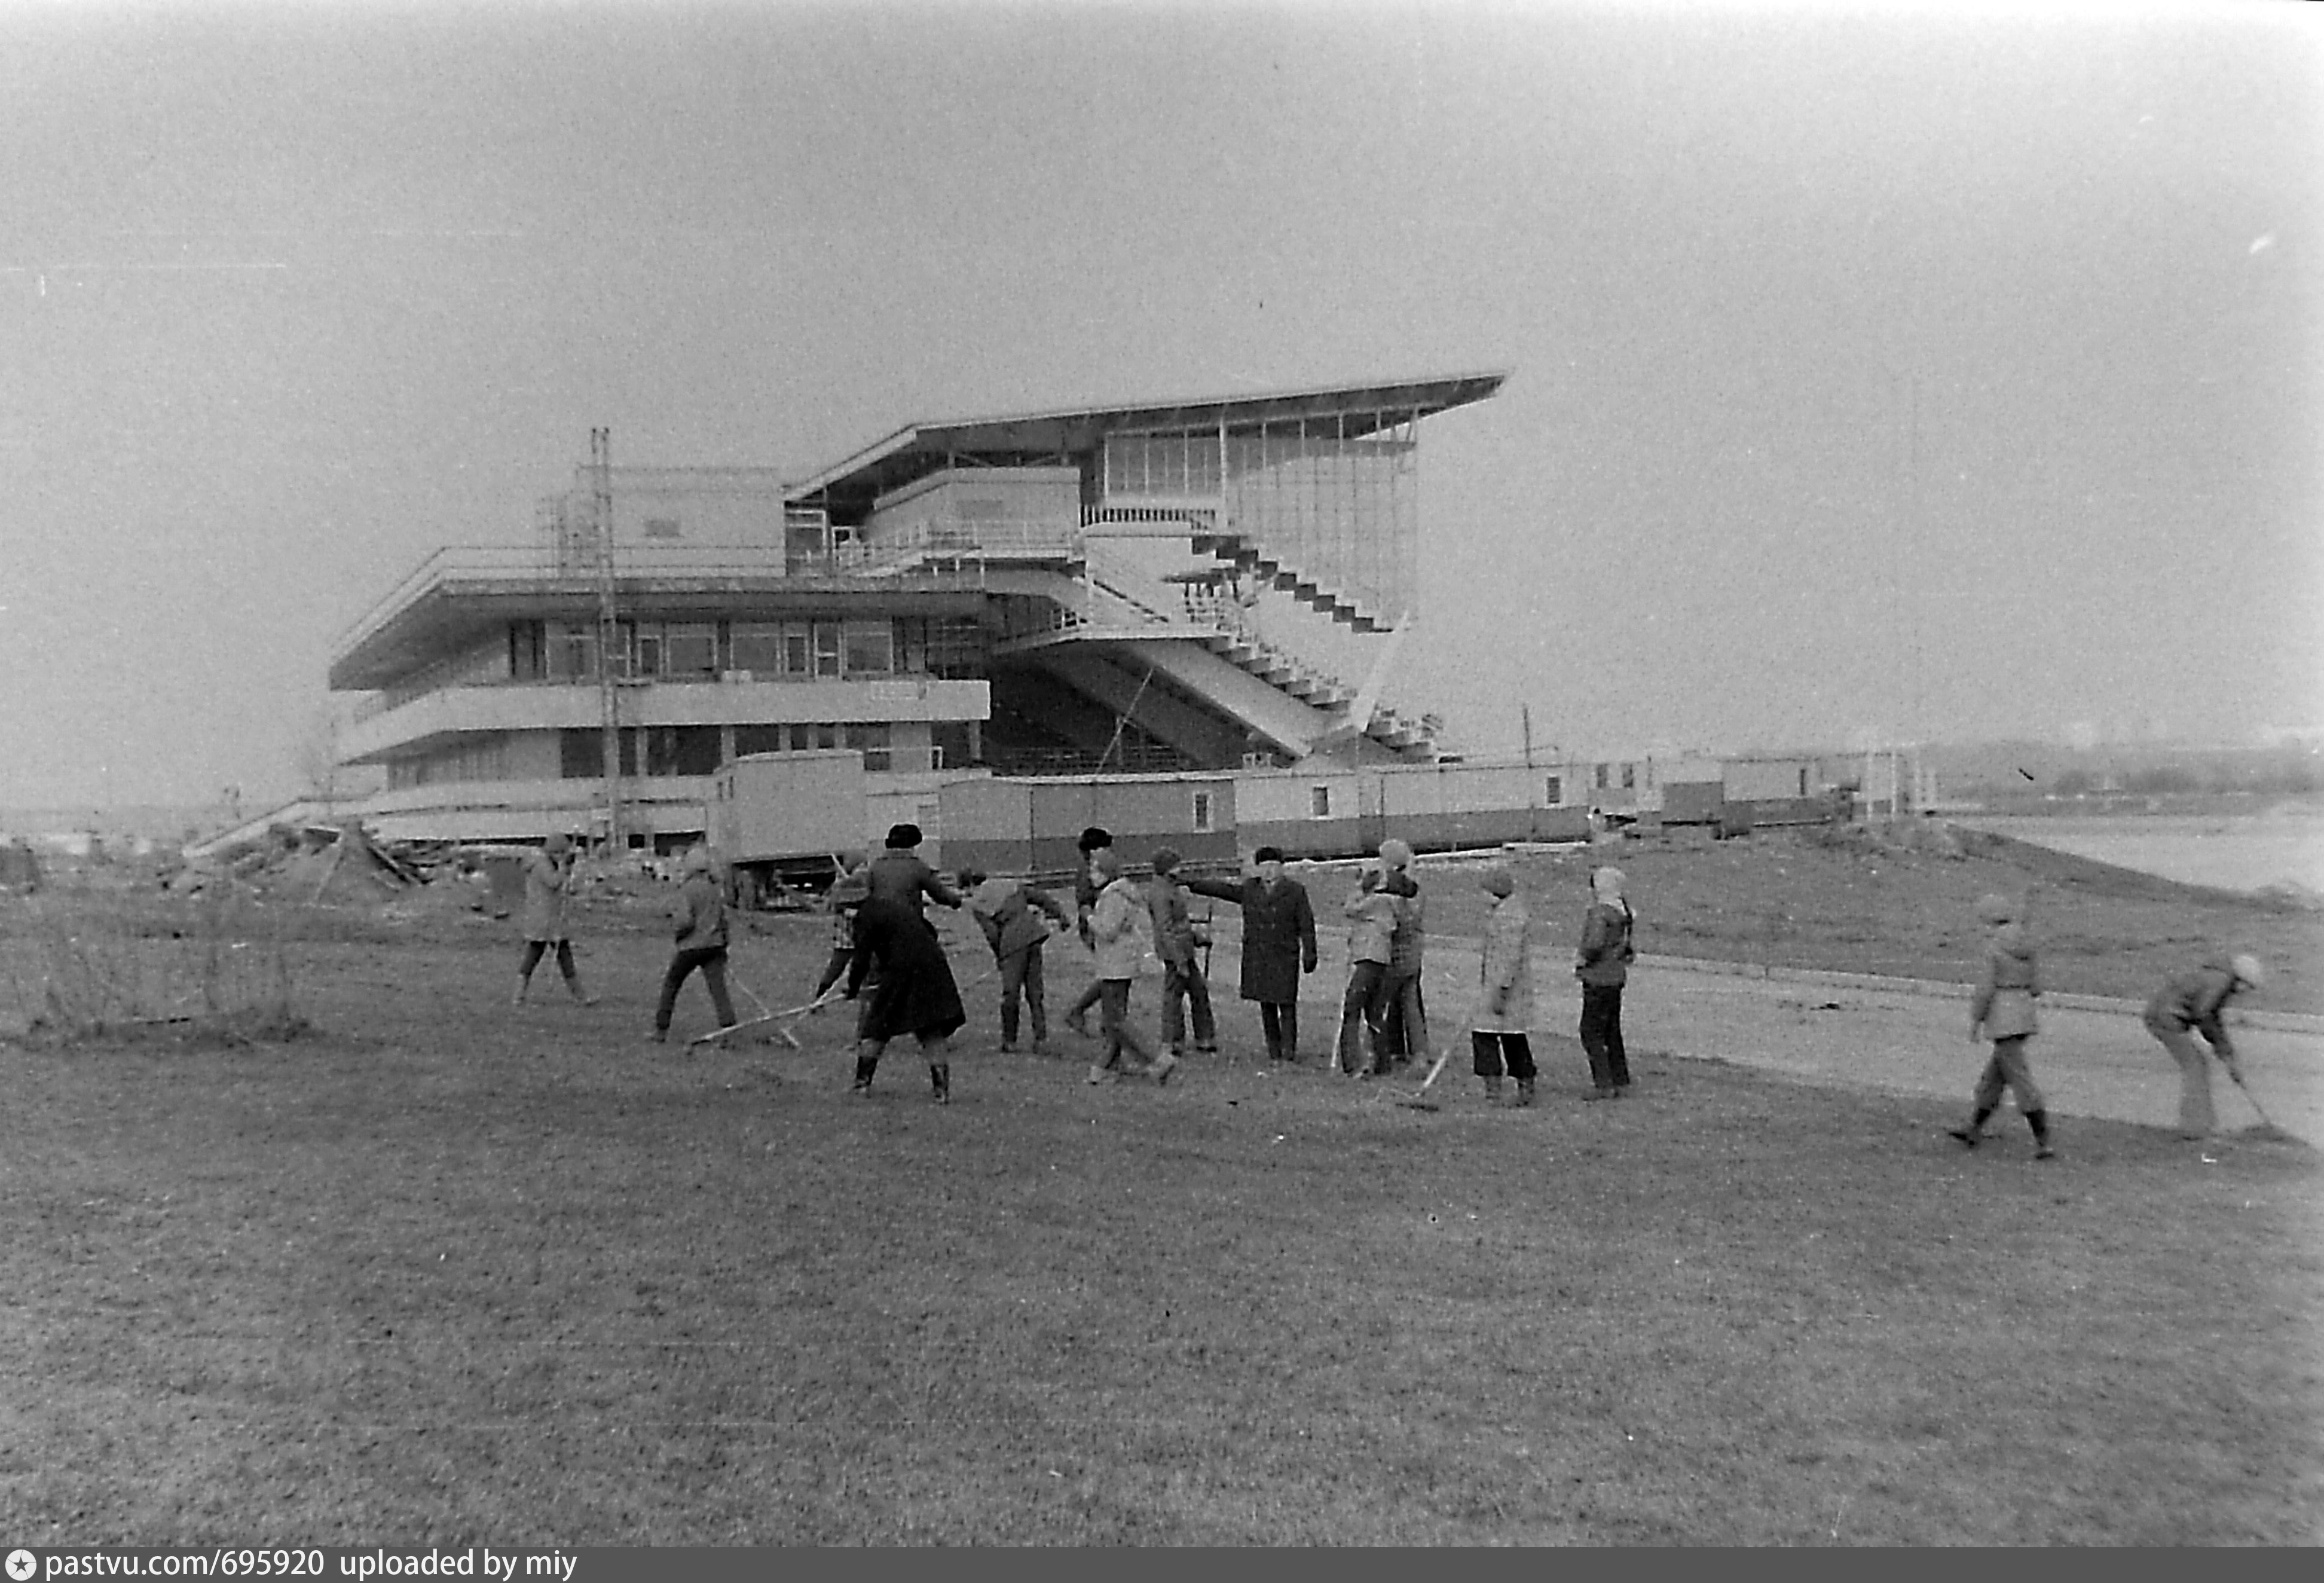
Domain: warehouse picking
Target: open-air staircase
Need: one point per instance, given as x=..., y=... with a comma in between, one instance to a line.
x=1250, y=559
x=1126, y=601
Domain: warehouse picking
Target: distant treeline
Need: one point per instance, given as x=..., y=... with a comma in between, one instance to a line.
x=2010, y=771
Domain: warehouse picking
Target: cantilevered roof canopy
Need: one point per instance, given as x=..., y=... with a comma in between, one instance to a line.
x=1041, y=438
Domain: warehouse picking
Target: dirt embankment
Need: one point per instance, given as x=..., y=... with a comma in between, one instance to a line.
x=1851, y=898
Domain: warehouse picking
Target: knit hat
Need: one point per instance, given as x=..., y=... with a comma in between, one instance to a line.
x=2247, y=969
x=1996, y=909
x=1395, y=853
x=903, y=838
x=1267, y=855
x=1166, y=858
x=1608, y=883
x=1094, y=837
x=1499, y=881
x=696, y=860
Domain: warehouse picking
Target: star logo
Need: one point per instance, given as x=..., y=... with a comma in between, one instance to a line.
x=22, y=1565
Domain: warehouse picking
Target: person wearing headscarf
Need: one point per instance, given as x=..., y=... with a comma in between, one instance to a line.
x=1118, y=926
x=700, y=914
x=548, y=880
x=1010, y=912
x=2196, y=1002
x=1370, y=913
x=1184, y=991
x=1602, y=963
x=2002, y=1010
x=1497, y=1029
x=911, y=991
x=1278, y=944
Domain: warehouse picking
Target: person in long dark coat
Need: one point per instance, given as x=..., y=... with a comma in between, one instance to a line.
x=1278, y=944
x=913, y=992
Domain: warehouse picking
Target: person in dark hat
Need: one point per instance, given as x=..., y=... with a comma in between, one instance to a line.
x=1093, y=840
x=911, y=991
x=1278, y=944
x=899, y=875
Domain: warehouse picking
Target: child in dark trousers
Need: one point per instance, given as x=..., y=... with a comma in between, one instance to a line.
x=700, y=913
x=848, y=893
x=2003, y=1012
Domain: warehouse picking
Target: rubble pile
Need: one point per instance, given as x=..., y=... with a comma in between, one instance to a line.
x=342, y=865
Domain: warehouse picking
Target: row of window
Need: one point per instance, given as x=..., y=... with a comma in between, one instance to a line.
x=700, y=651
x=696, y=750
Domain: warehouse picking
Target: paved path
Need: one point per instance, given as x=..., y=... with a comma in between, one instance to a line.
x=2093, y=1058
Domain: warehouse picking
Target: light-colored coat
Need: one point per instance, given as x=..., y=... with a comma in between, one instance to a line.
x=546, y=883
x=1371, y=925
x=1505, y=972
x=1118, y=929
x=2003, y=1003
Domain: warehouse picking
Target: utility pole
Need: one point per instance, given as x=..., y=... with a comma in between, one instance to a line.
x=609, y=633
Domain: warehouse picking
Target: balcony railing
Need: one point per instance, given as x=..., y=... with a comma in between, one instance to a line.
x=507, y=566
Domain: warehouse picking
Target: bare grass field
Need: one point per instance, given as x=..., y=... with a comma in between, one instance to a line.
x=440, y=1271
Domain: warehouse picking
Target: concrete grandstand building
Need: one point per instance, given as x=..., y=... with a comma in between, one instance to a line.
x=1199, y=585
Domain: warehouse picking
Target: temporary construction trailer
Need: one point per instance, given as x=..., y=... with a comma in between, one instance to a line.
x=786, y=817
x=1337, y=810
x=1010, y=825
x=1445, y=808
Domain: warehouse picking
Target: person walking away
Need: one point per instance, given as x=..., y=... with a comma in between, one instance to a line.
x=1403, y=1024
x=548, y=880
x=2002, y=1010
x=1175, y=943
x=1117, y=930
x=850, y=891
x=1602, y=963
x=1278, y=945
x=2196, y=1002
x=911, y=991
x=1010, y=912
x=700, y=913
x=1497, y=1029
x=1370, y=913
x=1093, y=840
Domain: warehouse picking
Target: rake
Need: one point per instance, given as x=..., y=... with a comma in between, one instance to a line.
x=1418, y=1099
x=2252, y=1099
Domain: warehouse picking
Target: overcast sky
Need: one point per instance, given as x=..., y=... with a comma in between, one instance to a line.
x=1881, y=368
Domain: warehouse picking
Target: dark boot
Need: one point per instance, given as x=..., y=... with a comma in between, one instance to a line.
x=865, y=1065
x=940, y=1082
x=1974, y=1134
x=2038, y=1120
